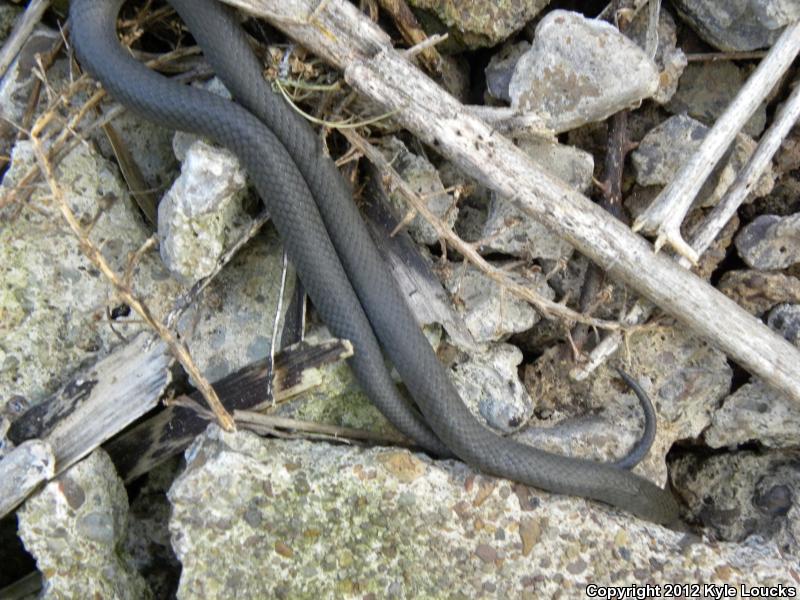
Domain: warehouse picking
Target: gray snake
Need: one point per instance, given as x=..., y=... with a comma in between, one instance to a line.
x=332, y=251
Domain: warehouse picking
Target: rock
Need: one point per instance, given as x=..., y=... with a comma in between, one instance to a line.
x=580, y=70
x=785, y=319
x=231, y=326
x=23, y=468
x=74, y=527
x=57, y=310
x=17, y=83
x=501, y=67
x=784, y=200
x=483, y=22
x=757, y=292
x=473, y=201
x=267, y=518
x=707, y=88
x=421, y=175
x=510, y=231
x=665, y=148
x=149, y=145
x=337, y=400
x=770, y=242
x=741, y=25
x=755, y=413
x=600, y=418
x=670, y=59
x=472, y=217
x=745, y=495
x=8, y=16
x=488, y=383
x=490, y=312
x=201, y=215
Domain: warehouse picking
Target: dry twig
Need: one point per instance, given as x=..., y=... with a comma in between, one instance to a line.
x=22, y=29
x=127, y=295
x=668, y=210
x=544, y=305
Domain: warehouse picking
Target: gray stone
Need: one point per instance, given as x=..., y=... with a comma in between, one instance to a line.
x=707, y=88
x=755, y=413
x=202, y=215
x=600, y=418
x=232, y=324
x=483, y=22
x=757, y=291
x=745, y=496
x=670, y=59
x=738, y=25
x=785, y=319
x=150, y=147
x=421, y=175
x=501, y=67
x=337, y=400
x=770, y=242
x=17, y=83
x=665, y=148
x=8, y=16
x=74, y=527
x=54, y=303
x=488, y=383
x=491, y=313
x=338, y=521
x=473, y=201
x=509, y=230
x=580, y=70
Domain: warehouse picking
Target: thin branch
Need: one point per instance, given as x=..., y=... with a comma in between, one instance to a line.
x=126, y=294
x=547, y=307
x=334, y=432
x=665, y=215
x=750, y=174
x=185, y=300
x=717, y=56
x=22, y=30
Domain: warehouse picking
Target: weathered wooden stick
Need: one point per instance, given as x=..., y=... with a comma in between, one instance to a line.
x=261, y=423
x=714, y=223
x=423, y=291
x=98, y=403
x=767, y=147
x=21, y=472
x=167, y=433
x=22, y=29
x=339, y=33
x=95, y=405
x=668, y=210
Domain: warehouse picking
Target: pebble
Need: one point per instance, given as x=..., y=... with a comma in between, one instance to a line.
x=580, y=70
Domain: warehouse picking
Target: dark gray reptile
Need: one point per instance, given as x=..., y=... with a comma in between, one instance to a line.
x=333, y=253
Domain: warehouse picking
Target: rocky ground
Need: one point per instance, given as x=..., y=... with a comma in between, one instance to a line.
x=246, y=516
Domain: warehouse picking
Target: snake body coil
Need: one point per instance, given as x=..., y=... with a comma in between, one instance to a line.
x=332, y=251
